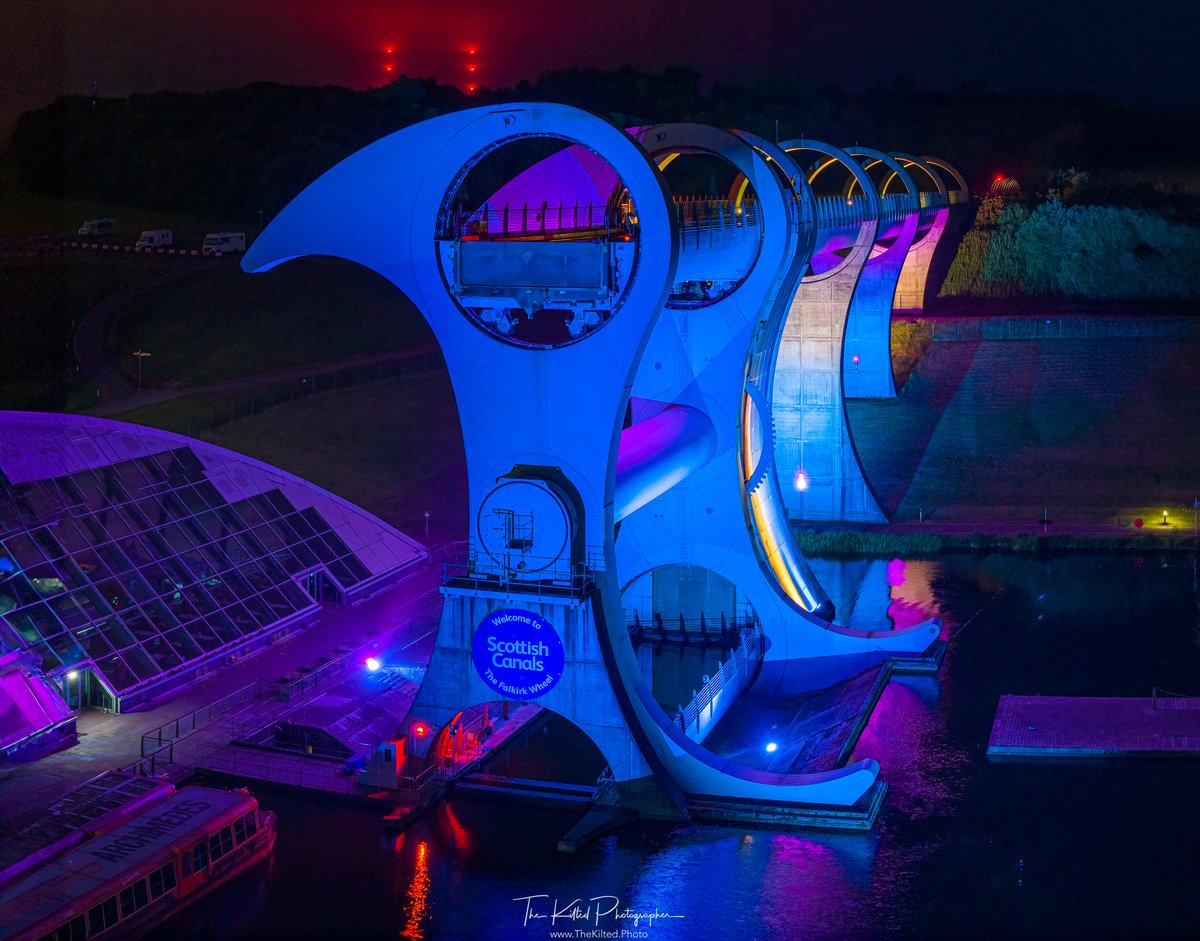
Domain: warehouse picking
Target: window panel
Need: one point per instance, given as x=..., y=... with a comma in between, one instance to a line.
x=134, y=897
x=102, y=916
x=162, y=653
x=113, y=669
x=182, y=641
x=92, y=641
x=140, y=663
x=22, y=548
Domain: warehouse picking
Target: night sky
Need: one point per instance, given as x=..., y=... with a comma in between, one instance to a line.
x=1143, y=53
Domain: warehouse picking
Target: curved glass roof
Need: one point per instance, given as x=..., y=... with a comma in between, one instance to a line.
x=141, y=566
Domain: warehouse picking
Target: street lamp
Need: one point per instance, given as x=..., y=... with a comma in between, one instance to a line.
x=139, y=355
x=427, y=526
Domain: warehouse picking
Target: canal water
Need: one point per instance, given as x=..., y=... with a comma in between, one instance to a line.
x=964, y=848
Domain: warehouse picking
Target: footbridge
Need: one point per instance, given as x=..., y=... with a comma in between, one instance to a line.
x=619, y=321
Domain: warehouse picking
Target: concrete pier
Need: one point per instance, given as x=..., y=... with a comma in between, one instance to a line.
x=1094, y=727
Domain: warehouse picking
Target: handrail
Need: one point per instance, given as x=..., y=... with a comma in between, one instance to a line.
x=683, y=629
x=490, y=222
x=742, y=662
x=197, y=718
x=314, y=677
x=526, y=573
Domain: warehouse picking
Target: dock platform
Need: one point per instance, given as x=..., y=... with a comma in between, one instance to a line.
x=1094, y=727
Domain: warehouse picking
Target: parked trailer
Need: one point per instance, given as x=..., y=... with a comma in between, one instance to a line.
x=98, y=227
x=222, y=243
x=154, y=238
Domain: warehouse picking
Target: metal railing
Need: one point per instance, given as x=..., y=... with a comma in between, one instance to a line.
x=512, y=221
x=702, y=630
x=170, y=732
x=159, y=763
x=525, y=573
x=841, y=210
x=306, y=681
x=709, y=211
x=286, y=768
x=737, y=671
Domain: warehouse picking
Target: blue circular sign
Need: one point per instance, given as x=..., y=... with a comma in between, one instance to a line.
x=518, y=654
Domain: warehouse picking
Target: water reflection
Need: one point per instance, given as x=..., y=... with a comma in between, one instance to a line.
x=418, y=895
x=942, y=859
x=877, y=594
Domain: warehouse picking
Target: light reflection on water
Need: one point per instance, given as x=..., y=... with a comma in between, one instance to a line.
x=418, y=895
x=963, y=847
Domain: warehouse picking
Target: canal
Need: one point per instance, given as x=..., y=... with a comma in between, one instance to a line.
x=964, y=847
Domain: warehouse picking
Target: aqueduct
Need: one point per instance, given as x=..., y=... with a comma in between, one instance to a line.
x=650, y=375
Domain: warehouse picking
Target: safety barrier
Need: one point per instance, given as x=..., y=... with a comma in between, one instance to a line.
x=713, y=699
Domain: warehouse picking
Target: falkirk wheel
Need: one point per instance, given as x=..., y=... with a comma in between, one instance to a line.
x=615, y=343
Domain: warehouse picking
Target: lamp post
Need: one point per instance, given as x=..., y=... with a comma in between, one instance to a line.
x=139, y=355
x=427, y=526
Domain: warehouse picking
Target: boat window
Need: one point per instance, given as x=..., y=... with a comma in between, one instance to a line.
x=133, y=898
x=102, y=916
x=245, y=827
x=220, y=843
x=73, y=930
x=199, y=856
x=163, y=879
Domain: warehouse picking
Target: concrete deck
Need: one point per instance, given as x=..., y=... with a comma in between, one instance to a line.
x=397, y=626
x=1069, y=726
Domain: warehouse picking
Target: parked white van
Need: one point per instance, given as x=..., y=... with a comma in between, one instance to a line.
x=98, y=227
x=154, y=238
x=222, y=243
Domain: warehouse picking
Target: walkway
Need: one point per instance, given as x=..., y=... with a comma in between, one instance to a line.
x=397, y=626
x=1094, y=727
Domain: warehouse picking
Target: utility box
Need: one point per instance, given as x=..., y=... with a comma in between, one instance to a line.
x=387, y=765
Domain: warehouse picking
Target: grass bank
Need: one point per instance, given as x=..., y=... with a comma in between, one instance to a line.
x=882, y=544
x=392, y=447
x=222, y=323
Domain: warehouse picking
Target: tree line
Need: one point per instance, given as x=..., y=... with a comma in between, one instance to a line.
x=233, y=153
x=1062, y=248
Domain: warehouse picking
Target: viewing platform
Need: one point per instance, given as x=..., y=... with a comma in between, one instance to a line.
x=1094, y=727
